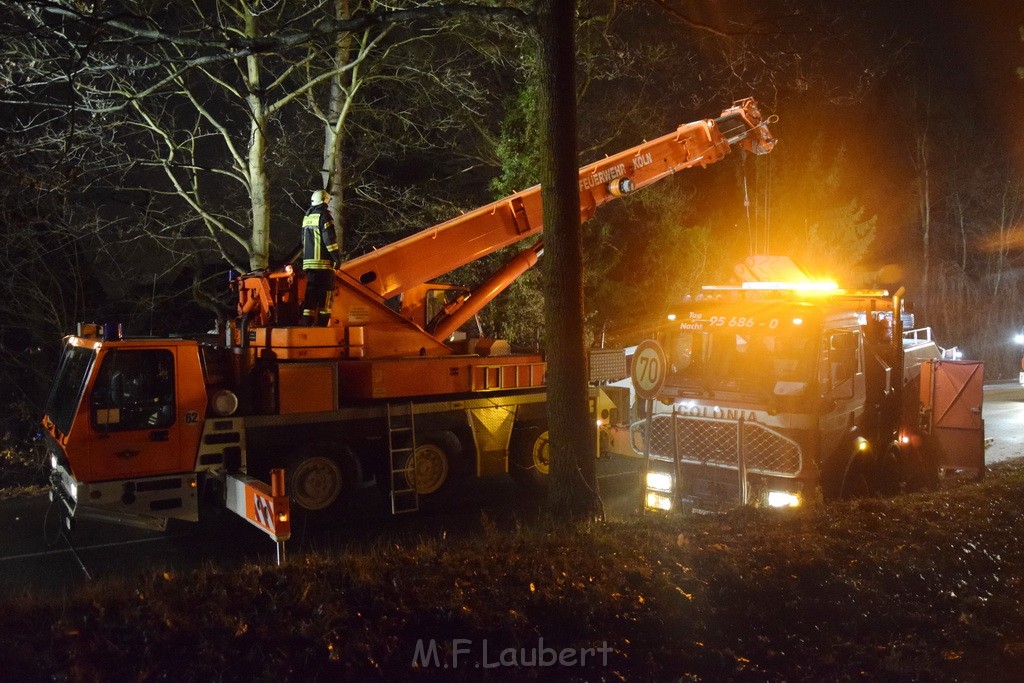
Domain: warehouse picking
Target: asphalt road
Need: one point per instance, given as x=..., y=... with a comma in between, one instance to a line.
x=35, y=557
x=1003, y=412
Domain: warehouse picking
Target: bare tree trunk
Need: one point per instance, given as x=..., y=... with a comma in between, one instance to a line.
x=572, y=493
x=334, y=129
x=961, y=222
x=259, y=183
x=1005, y=223
x=925, y=212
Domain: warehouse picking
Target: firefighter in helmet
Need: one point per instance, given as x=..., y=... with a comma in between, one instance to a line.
x=319, y=259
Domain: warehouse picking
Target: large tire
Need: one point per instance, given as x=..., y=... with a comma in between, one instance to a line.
x=529, y=457
x=930, y=462
x=923, y=467
x=889, y=473
x=856, y=480
x=852, y=473
x=321, y=478
x=438, y=465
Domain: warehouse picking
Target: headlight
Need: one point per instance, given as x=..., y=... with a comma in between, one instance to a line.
x=659, y=481
x=783, y=499
x=53, y=462
x=658, y=501
x=224, y=402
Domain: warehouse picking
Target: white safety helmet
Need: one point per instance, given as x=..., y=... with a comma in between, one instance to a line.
x=320, y=197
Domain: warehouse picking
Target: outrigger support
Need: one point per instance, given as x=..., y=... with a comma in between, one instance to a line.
x=265, y=507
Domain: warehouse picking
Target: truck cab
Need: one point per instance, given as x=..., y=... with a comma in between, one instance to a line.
x=123, y=424
x=767, y=387
x=779, y=392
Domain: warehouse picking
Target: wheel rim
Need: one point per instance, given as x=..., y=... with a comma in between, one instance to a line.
x=315, y=483
x=541, y=455
x=427, y=470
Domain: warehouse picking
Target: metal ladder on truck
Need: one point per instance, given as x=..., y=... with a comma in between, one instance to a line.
x=402, y=455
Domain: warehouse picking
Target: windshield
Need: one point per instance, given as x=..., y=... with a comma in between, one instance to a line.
x=67, y=386
x=748, y=360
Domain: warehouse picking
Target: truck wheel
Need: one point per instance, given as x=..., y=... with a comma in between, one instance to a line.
x=889, y=476
x=529, y=457
x=437, y=462
x=855, y=479
x=317, y=480
x=930, y=464
x=923, y=468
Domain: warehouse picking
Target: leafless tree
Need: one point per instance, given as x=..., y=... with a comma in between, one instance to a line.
x=208, y=83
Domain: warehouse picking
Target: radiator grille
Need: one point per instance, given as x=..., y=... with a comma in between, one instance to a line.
x=712, y=441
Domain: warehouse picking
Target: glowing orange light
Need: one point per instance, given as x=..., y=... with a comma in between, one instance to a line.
x=824, y=286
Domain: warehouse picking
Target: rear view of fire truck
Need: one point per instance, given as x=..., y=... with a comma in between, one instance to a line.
x=142, y=430
x=779, y=390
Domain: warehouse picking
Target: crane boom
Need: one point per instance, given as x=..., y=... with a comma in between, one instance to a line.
x=440, y=249
x=408, y=267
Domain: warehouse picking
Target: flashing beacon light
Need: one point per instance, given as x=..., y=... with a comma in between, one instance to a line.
x=821, y=286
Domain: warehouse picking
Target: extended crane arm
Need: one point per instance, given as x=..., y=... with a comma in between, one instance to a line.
x=435, y=251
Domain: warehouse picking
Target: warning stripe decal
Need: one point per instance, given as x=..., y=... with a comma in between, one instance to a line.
x=264, y=511
x=253, y=500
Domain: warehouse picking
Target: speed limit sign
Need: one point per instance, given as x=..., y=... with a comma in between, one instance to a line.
x=649, y=369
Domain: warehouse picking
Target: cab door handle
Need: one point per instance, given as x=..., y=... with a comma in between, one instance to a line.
x=159, y=435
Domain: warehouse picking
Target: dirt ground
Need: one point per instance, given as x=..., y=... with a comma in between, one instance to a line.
x=917, y=587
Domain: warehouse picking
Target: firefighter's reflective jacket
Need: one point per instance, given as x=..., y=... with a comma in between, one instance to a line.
x=319, y=243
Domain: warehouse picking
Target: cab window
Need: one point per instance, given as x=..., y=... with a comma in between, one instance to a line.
x=134, y=390
x=67, y=386
x=839, y=359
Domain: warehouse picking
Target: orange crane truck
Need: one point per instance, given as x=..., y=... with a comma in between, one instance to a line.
x=143, y=430
x=781, y=389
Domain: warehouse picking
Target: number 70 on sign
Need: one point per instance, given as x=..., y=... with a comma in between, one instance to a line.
x=649, y=369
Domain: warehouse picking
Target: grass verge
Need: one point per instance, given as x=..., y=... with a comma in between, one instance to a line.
x=918, y=587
